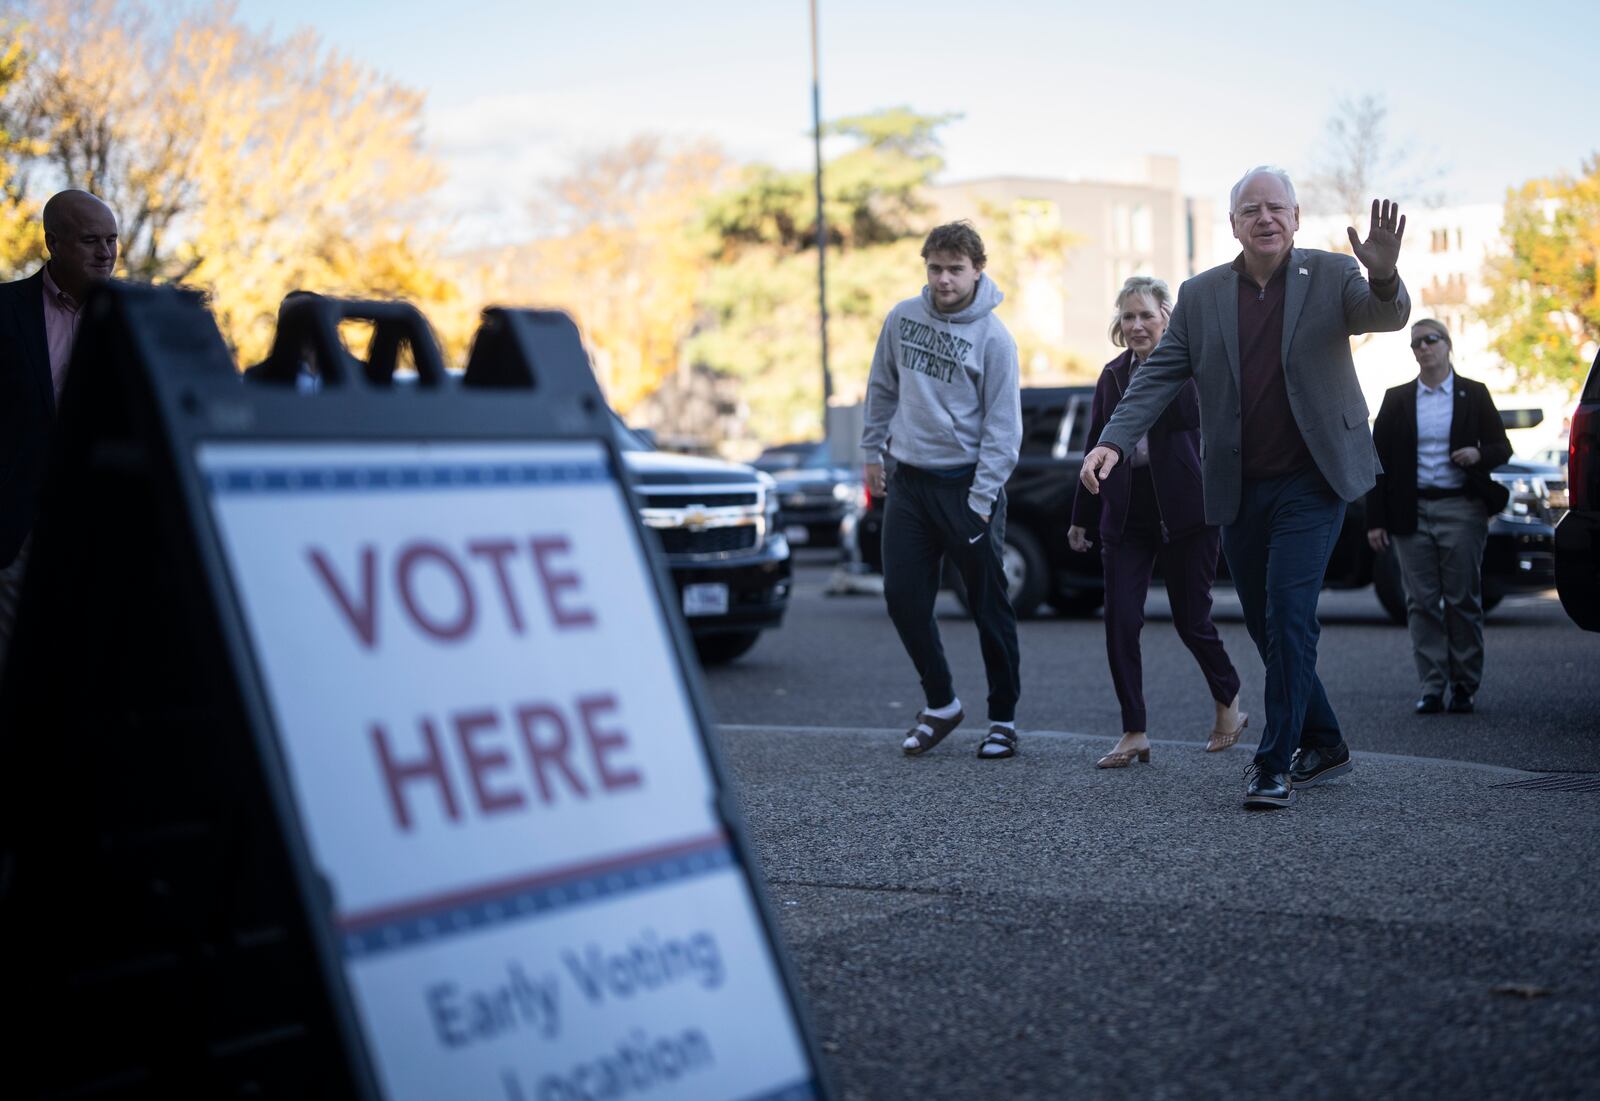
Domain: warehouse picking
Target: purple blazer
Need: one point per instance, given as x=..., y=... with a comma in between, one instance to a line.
x=1174, y=463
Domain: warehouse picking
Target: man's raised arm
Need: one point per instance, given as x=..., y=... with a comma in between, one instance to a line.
x=1379, y=303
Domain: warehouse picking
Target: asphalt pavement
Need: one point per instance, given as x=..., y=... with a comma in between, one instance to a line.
x=1428, y=925
x=837, y=663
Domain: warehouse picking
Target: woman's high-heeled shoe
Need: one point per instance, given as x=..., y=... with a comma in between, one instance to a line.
x=1224, y=739
x=1122, y=758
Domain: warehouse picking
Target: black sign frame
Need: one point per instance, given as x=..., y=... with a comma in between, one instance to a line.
x=150, y=383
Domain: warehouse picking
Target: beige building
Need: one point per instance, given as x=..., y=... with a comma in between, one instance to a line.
x=1075, y=241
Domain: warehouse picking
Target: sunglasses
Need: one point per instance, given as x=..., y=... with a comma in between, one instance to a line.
x=1431, y=338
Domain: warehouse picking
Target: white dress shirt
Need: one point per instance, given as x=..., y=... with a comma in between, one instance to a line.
x=1435, y=411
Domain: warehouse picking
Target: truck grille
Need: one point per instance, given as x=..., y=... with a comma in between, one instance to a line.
x=712, y=541
x=705, y=521
x=704, y=500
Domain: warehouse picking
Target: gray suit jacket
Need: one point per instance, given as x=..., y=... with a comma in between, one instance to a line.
x=1327, y=301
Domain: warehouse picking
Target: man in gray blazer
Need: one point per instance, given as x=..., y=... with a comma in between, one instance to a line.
x=1285, y=442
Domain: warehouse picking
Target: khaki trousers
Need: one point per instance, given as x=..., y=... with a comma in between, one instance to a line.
x=1442, y=566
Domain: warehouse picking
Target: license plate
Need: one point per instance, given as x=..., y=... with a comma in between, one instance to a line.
x=705, y=599
x=798, y=534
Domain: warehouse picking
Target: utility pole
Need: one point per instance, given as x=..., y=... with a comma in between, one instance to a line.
x=822, y=226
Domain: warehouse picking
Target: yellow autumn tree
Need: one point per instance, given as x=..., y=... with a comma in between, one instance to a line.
x=619, y=251
x=240, y=163
x=1544, y=304
x=21, y=241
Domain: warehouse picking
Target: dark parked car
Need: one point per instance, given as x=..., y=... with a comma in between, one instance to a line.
x=785, y=456
x=716, y=525
x=1042, y=569
x=1578, y=533
x=814, y=493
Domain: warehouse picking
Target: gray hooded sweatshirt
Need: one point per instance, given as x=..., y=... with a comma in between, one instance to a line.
x=943, y=392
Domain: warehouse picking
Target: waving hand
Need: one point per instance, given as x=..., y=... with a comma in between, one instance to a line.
x=1380, y=252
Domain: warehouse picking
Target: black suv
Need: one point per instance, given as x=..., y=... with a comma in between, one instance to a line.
x=716, y=525
x=1042, y=569
x=1578, y=533
x=814, y=493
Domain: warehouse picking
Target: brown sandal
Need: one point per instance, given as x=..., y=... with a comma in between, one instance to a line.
x=926, y=741
x=1224, y=739
x=1003, y=737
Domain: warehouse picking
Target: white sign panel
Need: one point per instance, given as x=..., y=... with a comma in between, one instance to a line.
x=499, y=771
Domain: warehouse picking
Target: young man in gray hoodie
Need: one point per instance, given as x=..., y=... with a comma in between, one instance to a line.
x=943, y=402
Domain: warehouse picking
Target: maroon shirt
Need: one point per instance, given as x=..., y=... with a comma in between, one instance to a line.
x=1270, y=444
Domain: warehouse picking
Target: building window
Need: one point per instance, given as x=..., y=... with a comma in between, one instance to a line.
x=1143, y=226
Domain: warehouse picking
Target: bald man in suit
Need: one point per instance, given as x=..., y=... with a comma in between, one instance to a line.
x=38, y=322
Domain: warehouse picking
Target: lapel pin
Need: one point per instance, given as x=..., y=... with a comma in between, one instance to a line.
x=1303, y=271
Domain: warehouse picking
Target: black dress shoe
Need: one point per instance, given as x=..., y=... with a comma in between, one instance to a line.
x=1460, y=701
x=1264, y=790
x=1318, y=763
x=1431, y=704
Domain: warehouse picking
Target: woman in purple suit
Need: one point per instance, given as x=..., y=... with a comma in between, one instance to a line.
x=1152, y=510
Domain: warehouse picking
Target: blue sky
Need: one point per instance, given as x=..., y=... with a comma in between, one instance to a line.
x=1492, y=94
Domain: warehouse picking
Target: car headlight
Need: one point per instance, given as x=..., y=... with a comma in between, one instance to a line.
x=769, y=506
x=1528, y=497
x=845, y=492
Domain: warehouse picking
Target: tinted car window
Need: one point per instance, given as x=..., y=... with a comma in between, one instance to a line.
x=1078, y=434
x=1039, y=428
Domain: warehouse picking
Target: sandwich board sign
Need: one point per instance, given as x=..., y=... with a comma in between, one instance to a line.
x=524, y=878
x=500, y=772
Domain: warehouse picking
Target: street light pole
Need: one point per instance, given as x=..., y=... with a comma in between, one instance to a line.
x=822, y=227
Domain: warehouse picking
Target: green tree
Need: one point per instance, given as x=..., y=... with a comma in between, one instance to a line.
x=871, y=193
x=1544, y=304
x=760, y=319
x=1028, y=247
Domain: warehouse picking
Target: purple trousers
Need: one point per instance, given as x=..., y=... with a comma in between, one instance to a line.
x=1189, y=566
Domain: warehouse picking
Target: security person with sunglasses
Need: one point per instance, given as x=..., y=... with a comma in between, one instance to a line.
x=1438, y=438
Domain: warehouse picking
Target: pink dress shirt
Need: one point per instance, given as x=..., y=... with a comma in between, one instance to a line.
x=60, y=326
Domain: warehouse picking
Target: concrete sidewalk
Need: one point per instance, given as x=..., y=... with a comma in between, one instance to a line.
x=1039, y=928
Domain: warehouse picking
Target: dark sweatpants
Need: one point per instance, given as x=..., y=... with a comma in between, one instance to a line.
x=1189, y=566
x=925, y=520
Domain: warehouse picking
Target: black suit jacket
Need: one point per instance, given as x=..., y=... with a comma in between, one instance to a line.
x=1474, y=422
x=27, y=408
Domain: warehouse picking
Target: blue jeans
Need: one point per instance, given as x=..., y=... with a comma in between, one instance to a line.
x=1278, y=549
